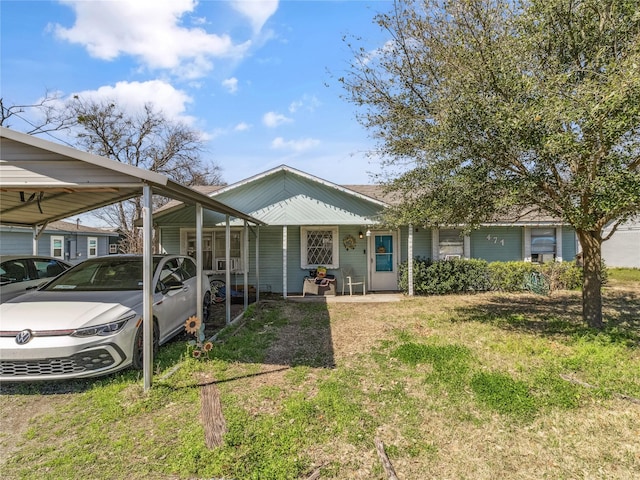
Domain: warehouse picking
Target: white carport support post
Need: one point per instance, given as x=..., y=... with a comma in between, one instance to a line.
x=147, y=278
x=199, y=286
x=257, y=264
x=284, y=261
x=410, y=260
x=245, y=254
x=227, y=270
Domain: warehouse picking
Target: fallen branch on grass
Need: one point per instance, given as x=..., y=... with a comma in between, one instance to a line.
x=212, y=418
x=386, y=463
x=588, y=385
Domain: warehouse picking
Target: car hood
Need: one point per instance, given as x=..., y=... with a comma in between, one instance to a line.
x=66, y=310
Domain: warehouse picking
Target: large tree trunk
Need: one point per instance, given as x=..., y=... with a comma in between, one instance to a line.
x=591, y=242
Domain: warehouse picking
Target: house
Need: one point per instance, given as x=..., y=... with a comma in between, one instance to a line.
x=311, y=222
x=64, y=240
x=623, y=248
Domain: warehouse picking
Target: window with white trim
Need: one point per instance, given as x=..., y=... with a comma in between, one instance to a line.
x=92, y=247
x=319, y=247
x=543, y=245
x=57, y=246
x=214, y=249
x=451, y=244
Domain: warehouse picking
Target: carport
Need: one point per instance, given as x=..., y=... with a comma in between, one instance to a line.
x=43, y=181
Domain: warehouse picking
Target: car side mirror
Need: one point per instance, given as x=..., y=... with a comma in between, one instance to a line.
x=166, y=287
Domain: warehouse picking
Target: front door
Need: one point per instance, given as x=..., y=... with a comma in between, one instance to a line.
x=383, y=258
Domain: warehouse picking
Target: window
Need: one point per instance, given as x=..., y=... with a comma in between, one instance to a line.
x=543, y=244
x=57, y=247
x=92, y=247
x=319, y=247
x=451, y=244
x=48, y=268
x=14, y=271
x=214, y=249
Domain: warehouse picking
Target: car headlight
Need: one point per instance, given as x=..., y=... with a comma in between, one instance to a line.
x=104, y=329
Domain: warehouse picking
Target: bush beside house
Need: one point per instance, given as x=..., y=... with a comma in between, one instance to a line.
x=472, y=275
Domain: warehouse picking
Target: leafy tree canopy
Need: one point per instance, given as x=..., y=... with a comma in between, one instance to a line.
x=486, y=108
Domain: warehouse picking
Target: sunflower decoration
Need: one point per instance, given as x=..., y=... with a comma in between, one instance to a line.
x=197, y=348
x=192, y=325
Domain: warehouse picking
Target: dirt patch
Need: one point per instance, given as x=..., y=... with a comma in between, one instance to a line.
x=18, y=413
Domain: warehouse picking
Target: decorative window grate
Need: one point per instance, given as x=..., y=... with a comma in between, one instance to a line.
x=320, y=247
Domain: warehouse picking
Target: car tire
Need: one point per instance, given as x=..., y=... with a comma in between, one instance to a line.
x=138, y=353
x=206, y=307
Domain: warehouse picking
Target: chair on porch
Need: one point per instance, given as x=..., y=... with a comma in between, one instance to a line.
x=350, y=279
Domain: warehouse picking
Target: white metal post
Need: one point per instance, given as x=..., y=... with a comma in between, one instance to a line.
x=284, y=261
x=410, y=260
x=147, y=278
x=227, y=257
x=199, y=268
x=245, y=253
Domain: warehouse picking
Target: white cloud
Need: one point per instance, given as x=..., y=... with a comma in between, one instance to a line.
x=150, y=30
x=132, y=96
x=274, y=119
x=297, y=146
x=307, y=102
x=231, y=84
x=257, y=11
x=241, y=127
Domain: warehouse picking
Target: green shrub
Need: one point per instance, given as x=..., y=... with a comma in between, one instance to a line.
x=472, y=275
x=446, y=276
x=510, y=276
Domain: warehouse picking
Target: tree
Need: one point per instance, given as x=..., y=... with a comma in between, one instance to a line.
x=49, y=116
x=483, y=108
x=147, y=140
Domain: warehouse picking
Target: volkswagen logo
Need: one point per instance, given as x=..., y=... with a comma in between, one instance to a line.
x=24, y=337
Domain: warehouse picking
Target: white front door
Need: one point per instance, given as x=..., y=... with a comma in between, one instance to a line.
x=383, y=259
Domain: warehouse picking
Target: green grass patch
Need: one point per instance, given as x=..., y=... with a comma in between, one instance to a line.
x=624, y=274
x=502, y=394
x=441, y=389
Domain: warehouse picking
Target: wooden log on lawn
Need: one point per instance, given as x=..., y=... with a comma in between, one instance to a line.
x=386, y=463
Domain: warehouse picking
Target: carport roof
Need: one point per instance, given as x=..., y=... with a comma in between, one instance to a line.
x=43, y=181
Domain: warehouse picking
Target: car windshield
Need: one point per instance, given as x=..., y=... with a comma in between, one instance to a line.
x=105, y=274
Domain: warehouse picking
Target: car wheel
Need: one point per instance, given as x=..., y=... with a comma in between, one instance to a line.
x=218, y=289
x=138, y=352
x=206, y=307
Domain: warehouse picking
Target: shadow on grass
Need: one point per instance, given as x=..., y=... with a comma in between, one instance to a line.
x=559, y=314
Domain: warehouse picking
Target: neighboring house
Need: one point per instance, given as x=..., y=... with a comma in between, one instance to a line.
x=312, y=222
x=623, y=248
x=64, y=240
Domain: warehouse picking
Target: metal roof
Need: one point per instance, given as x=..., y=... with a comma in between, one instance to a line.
x=43, y=181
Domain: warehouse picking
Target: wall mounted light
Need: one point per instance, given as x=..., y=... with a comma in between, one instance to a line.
x=368, y=233
x=360, y=235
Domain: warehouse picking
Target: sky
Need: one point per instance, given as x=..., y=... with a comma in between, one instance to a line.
x=258, y=78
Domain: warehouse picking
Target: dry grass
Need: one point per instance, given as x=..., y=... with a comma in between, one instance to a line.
x=432, y=426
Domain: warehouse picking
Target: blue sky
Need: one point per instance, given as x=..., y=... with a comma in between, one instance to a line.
x=258, y=78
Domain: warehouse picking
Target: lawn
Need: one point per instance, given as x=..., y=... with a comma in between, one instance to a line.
x=486, y=386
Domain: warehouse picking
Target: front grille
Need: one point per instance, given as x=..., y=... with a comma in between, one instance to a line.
x=78, y=363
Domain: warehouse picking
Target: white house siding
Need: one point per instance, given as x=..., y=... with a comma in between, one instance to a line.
x=623, y=248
